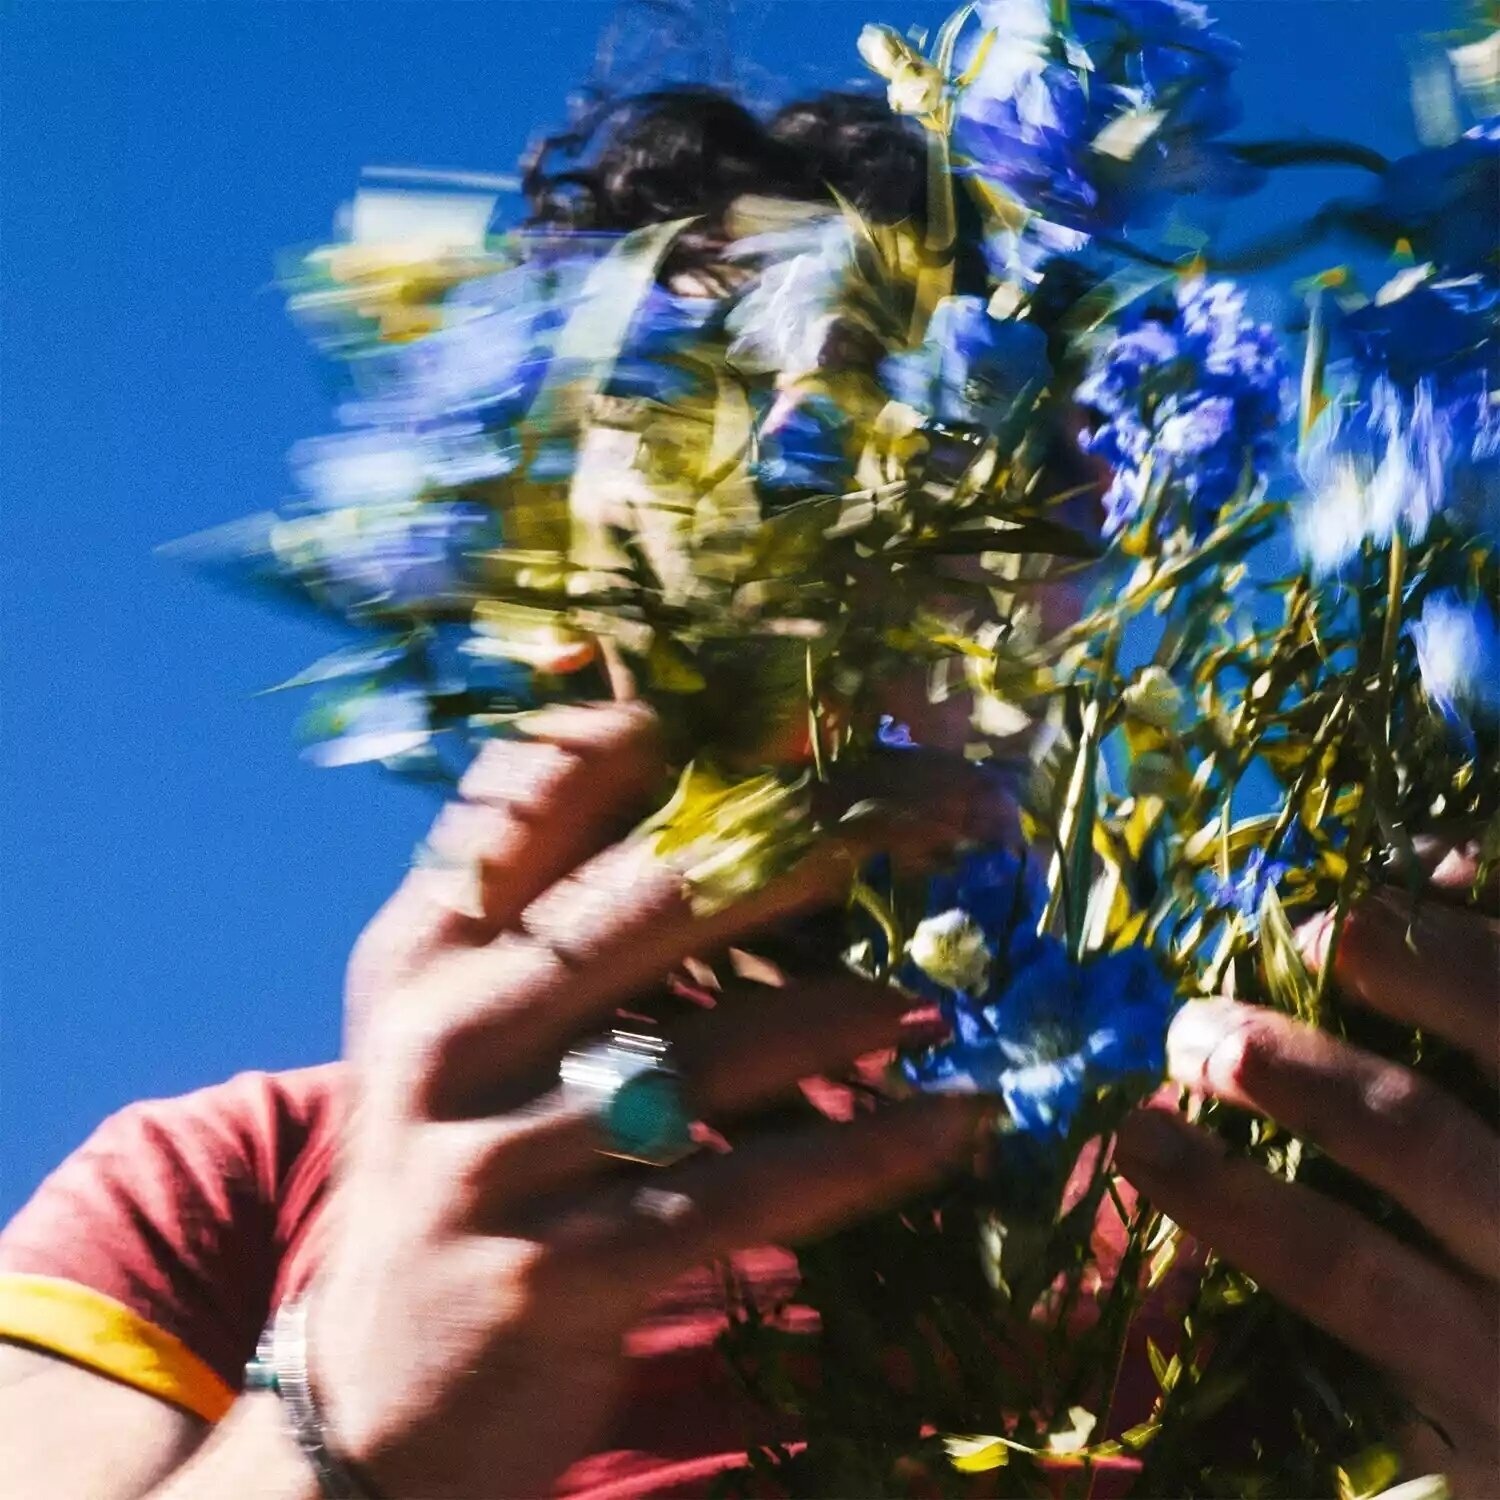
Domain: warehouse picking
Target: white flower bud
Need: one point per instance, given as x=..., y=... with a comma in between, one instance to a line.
x=1154, y=699
x=884, y=50
x=950, y=949
x=916, y=88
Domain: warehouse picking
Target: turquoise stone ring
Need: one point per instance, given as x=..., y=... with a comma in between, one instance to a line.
x=628, y=1082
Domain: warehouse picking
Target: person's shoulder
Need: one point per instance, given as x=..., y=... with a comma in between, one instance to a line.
x=253, y=1125
x=151, y=1253
x=291, y=1099
x=293, y=1093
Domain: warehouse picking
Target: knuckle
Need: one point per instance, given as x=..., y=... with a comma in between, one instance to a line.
x=626, y=887
x=624, y=728
x=1402, y=1103
x=408, y=1051
x=1426, y=1137
x=476, y=1174
x=529, y=774
x=468, y=830
x=534, y=1269
x=619, y=750
x=1249, y=1057
x=375, y=953
x=444, y=1039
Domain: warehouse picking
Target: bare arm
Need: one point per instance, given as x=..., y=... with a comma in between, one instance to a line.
x=487, y=1259
x=66, y=1431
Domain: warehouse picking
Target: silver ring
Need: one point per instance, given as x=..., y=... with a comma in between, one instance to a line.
x=628, y=1083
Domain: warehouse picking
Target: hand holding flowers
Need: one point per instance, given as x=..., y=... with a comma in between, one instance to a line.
x=1427, y=1313
x=774, y=505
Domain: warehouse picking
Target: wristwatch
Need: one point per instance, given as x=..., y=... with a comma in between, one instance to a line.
x=280, y=1366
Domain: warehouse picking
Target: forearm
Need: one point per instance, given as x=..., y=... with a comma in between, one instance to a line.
x=251, y=1454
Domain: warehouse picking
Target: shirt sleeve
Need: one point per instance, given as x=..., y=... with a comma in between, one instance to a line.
x=150, y=1254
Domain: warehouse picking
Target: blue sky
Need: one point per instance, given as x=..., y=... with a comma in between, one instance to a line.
x=181, y=891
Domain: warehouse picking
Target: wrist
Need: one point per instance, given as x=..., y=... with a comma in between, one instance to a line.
x=280, y=1367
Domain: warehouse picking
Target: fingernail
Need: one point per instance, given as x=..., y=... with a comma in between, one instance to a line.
x=1150, y=1142
x=1313, y=938
x=1196, y=1032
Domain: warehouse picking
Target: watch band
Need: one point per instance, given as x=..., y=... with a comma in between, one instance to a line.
x=280, y=1366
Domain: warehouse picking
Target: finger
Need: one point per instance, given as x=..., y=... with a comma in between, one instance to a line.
x=755, y=1048
x=1449, y=860
x=531, y=810
x=490, y=1017
x=1427, y=1325
x=1433, y=966
x=1396, y=1130
x=779, y=1189
x=744, y=1055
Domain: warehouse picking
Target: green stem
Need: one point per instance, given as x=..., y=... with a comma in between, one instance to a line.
x=1313, y=366
x=1067, y=882
x=1395, y=582
x=1364, y=818
x=814, y=720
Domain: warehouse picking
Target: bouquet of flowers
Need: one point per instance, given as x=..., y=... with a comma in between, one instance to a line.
x=556, y=466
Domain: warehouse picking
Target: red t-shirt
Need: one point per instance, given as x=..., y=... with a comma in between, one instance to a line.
x=157, y=1251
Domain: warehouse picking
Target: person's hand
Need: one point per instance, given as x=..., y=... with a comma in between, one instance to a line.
x=485, y=1260
x=1433, y=1321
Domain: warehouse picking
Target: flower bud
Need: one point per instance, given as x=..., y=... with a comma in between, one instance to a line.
x=916, y=88
x=884, y=50
x=950, y=949
x=1154, y=699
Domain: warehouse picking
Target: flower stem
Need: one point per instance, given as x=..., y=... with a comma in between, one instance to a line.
x=1364, y=818
x=1067, y=879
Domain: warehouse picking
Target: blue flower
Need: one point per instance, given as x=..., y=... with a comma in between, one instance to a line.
x=1420, y=327
x=490, y=359
x=1245, y=892
x=1191, y=399
x=1021, y=255
x=1414, y=427
x=385, y=724
x=1028, y=130
x=1001, y=890
x=1371, y=467
x=1458, y=654
x=1057, y=1033
x=1164, y=45
x=664, y=326
x=391, y=556
x=891, y=734
x=805, y=448
x=1442, y=200
x=499, y=345
x=971, y=368
x=1089, y=127
x=1028, y=1023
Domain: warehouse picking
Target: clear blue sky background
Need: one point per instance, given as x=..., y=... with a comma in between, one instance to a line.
x=179, y=890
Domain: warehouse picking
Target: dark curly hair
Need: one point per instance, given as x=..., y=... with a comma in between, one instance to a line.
x=682, y=152
x=690, y=152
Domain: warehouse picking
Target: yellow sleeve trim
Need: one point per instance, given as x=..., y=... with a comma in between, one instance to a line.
x=91, y=1329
